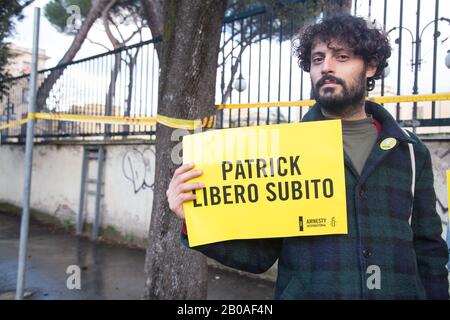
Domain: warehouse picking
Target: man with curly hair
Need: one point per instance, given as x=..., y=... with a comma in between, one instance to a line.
x=393, y=249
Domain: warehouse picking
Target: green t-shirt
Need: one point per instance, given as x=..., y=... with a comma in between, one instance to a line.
x=359, y=137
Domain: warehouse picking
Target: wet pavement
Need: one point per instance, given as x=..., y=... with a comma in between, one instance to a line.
x=108, y=271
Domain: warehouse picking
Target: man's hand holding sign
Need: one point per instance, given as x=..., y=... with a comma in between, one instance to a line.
x=179, y=189
x=257, y=183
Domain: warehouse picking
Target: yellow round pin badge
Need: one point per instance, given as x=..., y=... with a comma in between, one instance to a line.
x=388, y=143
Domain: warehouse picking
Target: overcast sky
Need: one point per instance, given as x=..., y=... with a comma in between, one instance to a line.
x=55, y=43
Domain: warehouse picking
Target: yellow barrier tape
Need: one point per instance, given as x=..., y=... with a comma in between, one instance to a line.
x=448, y=201
x=208, y=122
x=412, y=98
x=309, y=103
x=13, y=124
x=303, y=103
x=167, y=121
x=179, y=123
x=82, y=118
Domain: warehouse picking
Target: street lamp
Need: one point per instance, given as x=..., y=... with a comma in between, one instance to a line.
x=416, y=59
x=240, y=84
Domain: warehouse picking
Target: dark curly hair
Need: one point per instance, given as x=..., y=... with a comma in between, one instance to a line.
x=367, y=41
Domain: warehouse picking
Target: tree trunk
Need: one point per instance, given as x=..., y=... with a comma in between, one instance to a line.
x=94, y=13
x=186, y=90
x=153, y=14
x=131, y=65
x=111, y=94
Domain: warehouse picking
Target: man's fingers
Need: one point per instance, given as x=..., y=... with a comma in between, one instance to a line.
x=183, y=168
x=185, y=187
x=188, y=196
x=187, y=176
x=181, y=194
x=183, y=197
x=178, y=192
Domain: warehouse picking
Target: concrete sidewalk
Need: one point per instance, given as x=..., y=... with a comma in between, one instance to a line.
x=107, y=271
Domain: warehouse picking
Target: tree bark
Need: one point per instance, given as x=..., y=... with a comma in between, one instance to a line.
x=131, y=65
x=186, y=90
x=111, y=94
x=153, y=14
x=94, y=13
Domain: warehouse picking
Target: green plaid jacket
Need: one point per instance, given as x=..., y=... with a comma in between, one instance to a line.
x=409, y=251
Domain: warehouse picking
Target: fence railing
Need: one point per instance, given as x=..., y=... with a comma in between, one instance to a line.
x=269, y=71
x=256, y=64
x=120, y=83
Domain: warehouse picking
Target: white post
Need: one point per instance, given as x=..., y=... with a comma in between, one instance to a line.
x=28, y=162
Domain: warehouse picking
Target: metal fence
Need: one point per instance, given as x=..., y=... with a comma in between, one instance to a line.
x=121, y=83
x=256, y=64
x=270, y=72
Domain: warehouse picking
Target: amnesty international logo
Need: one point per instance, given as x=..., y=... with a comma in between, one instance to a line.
x=333, y=222
x=314, y=223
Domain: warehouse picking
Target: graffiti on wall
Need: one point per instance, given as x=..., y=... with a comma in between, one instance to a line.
x=137, y=168
x=440, y=155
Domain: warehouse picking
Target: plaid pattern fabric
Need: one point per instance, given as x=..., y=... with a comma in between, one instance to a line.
x=411, y=258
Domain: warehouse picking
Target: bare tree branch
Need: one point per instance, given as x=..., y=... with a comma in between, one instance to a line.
x=99, y=44
x=117, y=29
x=105, y=18
x=153, y=12
x=133, y=34
x=93, y=14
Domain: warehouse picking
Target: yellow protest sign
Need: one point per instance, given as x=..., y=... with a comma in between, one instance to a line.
x=448, y=196
x=270, y=181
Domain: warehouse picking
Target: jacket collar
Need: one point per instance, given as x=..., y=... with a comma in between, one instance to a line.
x=389, y=127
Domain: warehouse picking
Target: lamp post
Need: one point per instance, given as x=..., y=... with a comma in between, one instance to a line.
x=240, y=84
x=416, y=60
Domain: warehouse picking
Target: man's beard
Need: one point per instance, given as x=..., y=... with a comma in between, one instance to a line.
x=346, y=103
